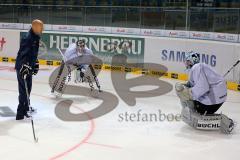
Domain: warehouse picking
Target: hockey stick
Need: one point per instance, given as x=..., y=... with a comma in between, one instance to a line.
x=231, y=68
x=64, y=59
x=33, y=129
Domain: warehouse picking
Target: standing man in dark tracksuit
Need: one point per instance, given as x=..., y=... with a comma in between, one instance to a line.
x=27, y=65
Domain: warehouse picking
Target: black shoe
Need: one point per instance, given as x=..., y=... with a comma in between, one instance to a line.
x=21, y=117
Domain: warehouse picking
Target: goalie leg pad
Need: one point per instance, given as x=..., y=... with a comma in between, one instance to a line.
x=195, y=120
x=207, y=122
x=202, y=122
x=227, y=125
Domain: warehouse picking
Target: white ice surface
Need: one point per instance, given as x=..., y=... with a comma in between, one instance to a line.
x=106, y=138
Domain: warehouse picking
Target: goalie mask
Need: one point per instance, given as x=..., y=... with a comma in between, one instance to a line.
x=80, y=45
x=191, y=59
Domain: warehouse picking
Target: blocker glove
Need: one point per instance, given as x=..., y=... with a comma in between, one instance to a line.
x=25, y=70
x=36, y=68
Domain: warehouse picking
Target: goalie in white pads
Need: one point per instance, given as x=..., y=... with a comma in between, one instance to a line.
x=203, y=94
x=77, y=50
x=78, y=56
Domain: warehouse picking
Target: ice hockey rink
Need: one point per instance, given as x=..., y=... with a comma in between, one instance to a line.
x=107, y=136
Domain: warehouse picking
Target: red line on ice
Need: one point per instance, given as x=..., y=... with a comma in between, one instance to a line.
x=84, y=141
x=89, y=134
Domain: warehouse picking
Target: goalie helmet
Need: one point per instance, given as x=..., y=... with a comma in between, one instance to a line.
x=80, y=43
x=192, y=58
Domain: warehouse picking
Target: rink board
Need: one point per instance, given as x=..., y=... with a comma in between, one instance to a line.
x=167, y=51
x=171, y=75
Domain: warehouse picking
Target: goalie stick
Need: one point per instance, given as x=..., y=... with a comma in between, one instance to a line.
x=231, y=68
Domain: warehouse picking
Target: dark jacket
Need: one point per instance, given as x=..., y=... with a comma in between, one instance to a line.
x=28, y=51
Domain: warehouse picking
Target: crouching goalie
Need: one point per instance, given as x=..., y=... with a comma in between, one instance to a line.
x=203, y=94
x=79, y=58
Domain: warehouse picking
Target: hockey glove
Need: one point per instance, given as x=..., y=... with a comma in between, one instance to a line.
x=36, y=68
x=183, y=92
x=25, y=70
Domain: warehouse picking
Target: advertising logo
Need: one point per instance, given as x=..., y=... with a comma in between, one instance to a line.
x=179, y=56
x=2, y=43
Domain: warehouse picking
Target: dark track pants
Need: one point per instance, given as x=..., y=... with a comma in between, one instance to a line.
x=208, y=109
x=23, y=101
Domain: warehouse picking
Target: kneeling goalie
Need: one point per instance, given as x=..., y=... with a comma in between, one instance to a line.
x=203, y=94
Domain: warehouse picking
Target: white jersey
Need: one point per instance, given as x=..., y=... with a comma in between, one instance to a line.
x=207, y=86
x=72, y=52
